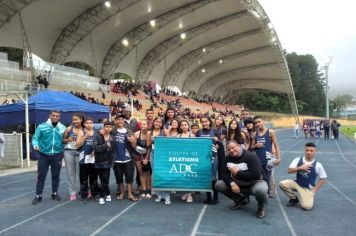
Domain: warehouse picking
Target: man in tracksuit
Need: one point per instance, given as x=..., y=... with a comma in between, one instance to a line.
x=48, y=142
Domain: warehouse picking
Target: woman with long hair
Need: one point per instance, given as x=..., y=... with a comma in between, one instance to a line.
x=209, y=131
x=168, y=117
x=234, y=133
x=157, y=131
x=85, y=142
x=71, y=154
x=184, y=132
x=221, y=128
x=141, y=155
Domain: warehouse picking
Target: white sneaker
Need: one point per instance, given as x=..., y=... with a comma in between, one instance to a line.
x=108, y=198
x=143, y=195
x=148, y=196
x=167, y=201
x=101, y=201
x=159, y=199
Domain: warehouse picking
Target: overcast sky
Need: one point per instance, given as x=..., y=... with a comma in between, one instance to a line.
x=322, y=28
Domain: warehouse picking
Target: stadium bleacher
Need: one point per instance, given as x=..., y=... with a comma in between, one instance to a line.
x=13, y=78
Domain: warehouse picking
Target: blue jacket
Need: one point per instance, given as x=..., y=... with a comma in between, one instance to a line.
x=48, y=138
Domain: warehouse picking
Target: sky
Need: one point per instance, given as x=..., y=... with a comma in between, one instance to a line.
x=322, y=28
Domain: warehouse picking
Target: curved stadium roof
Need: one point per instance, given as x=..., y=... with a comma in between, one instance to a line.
x=229, y=45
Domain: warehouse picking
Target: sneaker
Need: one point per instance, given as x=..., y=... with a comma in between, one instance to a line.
x=261, y=213
x=158, y=199
x=241, y=204
x=108, y=198
x=73, y=197
x=148, y=196
x=143, y=195
x=190, y=198
x=37, y=199
x=167, y=201
x=101, y=201
x=56, y=197
x=292, y=202
x=184, y=197
x=83, y=201
x=271, y=194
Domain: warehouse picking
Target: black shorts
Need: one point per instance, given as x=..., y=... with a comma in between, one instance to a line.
x=126, y=168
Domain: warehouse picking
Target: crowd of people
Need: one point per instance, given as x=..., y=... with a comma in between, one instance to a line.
x=244, y=155
x=314, y=129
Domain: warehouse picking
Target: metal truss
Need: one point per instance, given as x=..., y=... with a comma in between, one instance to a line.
x=118, y=51
x=257, y=10
x=173, y=73
x=238, y=84
x=221, y=78
x=9, y=8
x=93, y=60
x=196, y=75
x=26, y=47
x=82, y=25
x=168, y=46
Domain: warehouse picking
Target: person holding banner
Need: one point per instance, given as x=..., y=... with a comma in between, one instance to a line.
x=85, y=142
x=208, y=131
x=157, y=131
x=242, y=177
x=185, y=133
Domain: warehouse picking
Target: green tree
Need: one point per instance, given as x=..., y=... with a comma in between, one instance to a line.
x=308, y=84
x=13, y=54
x=339, y=103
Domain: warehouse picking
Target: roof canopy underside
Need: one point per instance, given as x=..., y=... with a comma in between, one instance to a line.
x=228, y=45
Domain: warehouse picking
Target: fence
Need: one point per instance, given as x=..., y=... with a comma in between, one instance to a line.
x=13, y=153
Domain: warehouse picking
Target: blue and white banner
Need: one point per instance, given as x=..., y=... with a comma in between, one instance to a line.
x=182, y=164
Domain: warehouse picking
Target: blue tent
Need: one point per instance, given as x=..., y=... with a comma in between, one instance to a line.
x=43, y=102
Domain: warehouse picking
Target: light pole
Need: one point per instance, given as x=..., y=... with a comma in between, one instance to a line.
x=326, y=67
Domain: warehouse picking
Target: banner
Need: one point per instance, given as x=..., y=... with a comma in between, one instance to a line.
x=182, y=164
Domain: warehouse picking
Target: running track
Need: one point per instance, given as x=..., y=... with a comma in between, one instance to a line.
x=334, y=212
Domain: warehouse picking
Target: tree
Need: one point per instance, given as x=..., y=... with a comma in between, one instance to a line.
x=308, y=84
x=13, y=54
x=339, y=103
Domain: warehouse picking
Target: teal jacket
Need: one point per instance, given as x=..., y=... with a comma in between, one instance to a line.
x=48, y=138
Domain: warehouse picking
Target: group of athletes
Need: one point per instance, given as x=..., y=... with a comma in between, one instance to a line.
x=244, y=155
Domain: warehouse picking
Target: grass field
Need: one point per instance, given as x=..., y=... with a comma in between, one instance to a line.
x=348, y=131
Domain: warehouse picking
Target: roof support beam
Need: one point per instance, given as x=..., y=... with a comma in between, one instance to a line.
x=173, y=73
x=9, y=8
x=82, y=25
x=214, y=81
x=157, y=54
x=195, y=78
x=118, y=51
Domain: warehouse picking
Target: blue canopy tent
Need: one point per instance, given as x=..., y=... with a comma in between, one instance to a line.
x=40, y=104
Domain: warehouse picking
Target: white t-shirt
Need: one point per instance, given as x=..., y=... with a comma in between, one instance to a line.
x=296, y=126
x=319, y=169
